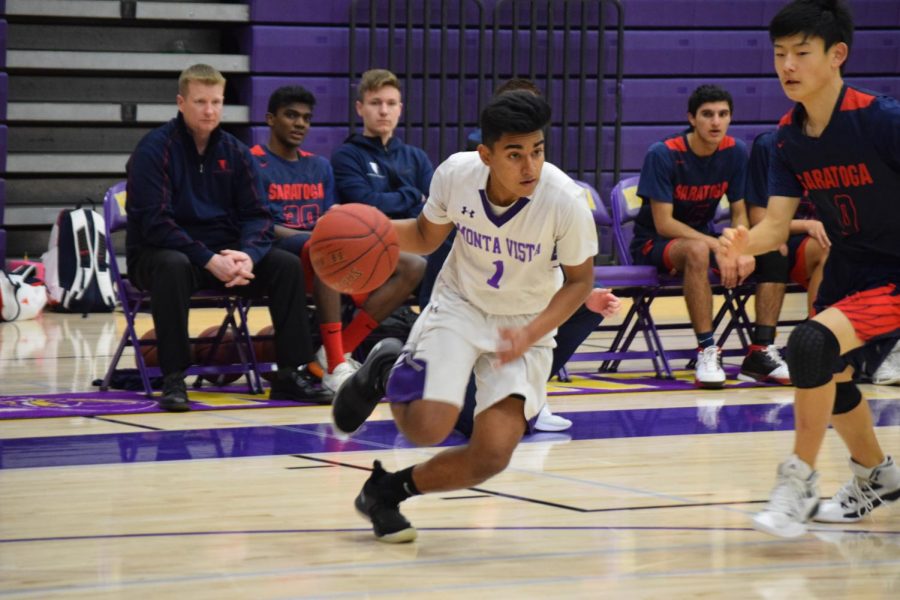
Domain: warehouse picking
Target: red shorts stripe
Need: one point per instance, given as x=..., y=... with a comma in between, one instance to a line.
x=873, y=313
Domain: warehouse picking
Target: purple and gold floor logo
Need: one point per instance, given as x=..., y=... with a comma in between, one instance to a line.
x=73, y=404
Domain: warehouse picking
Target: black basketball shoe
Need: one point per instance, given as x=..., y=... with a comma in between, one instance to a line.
x=764, y=363
x=359, y=394
x=388, y=523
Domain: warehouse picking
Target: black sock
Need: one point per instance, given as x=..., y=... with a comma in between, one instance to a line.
x=763, y=335
x=705, y=339
x=397, y=487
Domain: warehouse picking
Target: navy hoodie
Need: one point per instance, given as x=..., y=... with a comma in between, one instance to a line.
x=195, y=204
x=392, y=178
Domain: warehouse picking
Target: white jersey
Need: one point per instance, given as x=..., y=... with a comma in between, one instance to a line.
x=508, y=263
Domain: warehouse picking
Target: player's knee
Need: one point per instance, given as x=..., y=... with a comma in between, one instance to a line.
x=846, y=398
x=812, y=351
x=771, y=267
x=696, y=253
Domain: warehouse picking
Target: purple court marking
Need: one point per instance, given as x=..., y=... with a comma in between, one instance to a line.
x=117, y=402
x=79, y=404
x=316, y=438
x=646, y=382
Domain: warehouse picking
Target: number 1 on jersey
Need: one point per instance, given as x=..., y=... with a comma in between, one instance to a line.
x=494, y=281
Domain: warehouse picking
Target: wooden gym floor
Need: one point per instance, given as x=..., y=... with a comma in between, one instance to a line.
x=648, y=496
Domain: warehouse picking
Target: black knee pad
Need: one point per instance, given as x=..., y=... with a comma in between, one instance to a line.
x=771, y=267
x=812, y=352
x=846, y=398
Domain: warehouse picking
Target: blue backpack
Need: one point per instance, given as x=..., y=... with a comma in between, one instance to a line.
x=76, y=264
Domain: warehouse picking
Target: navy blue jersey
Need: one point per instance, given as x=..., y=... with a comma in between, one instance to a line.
x=298, y=191
x=758, y=177
x=851, y=173
x=694, y=185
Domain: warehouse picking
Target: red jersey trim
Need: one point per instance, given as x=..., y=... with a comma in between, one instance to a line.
x=855, y=100
x=676, y=144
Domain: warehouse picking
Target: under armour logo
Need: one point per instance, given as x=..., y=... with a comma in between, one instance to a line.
x=468, y=212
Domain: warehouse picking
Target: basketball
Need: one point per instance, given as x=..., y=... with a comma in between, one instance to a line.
x=226, y=354
x=354, y=248
x=264, y=347
x=151, y=359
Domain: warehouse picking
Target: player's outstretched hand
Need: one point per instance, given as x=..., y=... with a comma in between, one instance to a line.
x=603, y=301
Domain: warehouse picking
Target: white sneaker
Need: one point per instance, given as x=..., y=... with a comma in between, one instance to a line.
x=332, y=381
x=709, y=373
x=321, y=362
x=888, y=372
x=794, y=500
x=866, y=491
x=547, y=421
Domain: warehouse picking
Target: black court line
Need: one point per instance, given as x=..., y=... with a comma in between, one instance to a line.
x=484, y=492
x=119, y=422
x=471, y=497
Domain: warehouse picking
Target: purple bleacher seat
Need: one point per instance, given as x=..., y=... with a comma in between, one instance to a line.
x=337, y=12
x=334, y=96
x=4, y=95
x=638, y=13
x=274, y=49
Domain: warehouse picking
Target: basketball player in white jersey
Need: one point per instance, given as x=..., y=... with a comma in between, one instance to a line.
x=521, y=264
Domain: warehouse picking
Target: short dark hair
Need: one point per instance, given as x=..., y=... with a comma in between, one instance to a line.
x=830, y=20
x=290, y=94
x=518, y=83
x=708, y=93
x=513, y=112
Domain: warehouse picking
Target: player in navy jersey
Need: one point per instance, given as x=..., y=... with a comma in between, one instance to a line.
x=300, y=188
x=841, y=146
x=800, y=260
x=682, y=181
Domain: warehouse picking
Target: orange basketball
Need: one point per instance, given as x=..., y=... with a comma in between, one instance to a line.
x=354, y=248
x=226, y=354
x=151, y=359
x=264, y=347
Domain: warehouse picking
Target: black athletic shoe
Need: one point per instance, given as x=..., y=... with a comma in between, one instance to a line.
x=764, y=363
x=359, y=394
x=389, y=525
x=174, y=393
x=297, y=385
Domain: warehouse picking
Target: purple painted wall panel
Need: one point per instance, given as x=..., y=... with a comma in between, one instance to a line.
x=638, y=13
x=3, y=148
x=274, y=49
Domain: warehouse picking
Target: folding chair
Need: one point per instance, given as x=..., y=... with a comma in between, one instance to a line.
x=640, y=284
x=625, y=206
x=134, y=301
